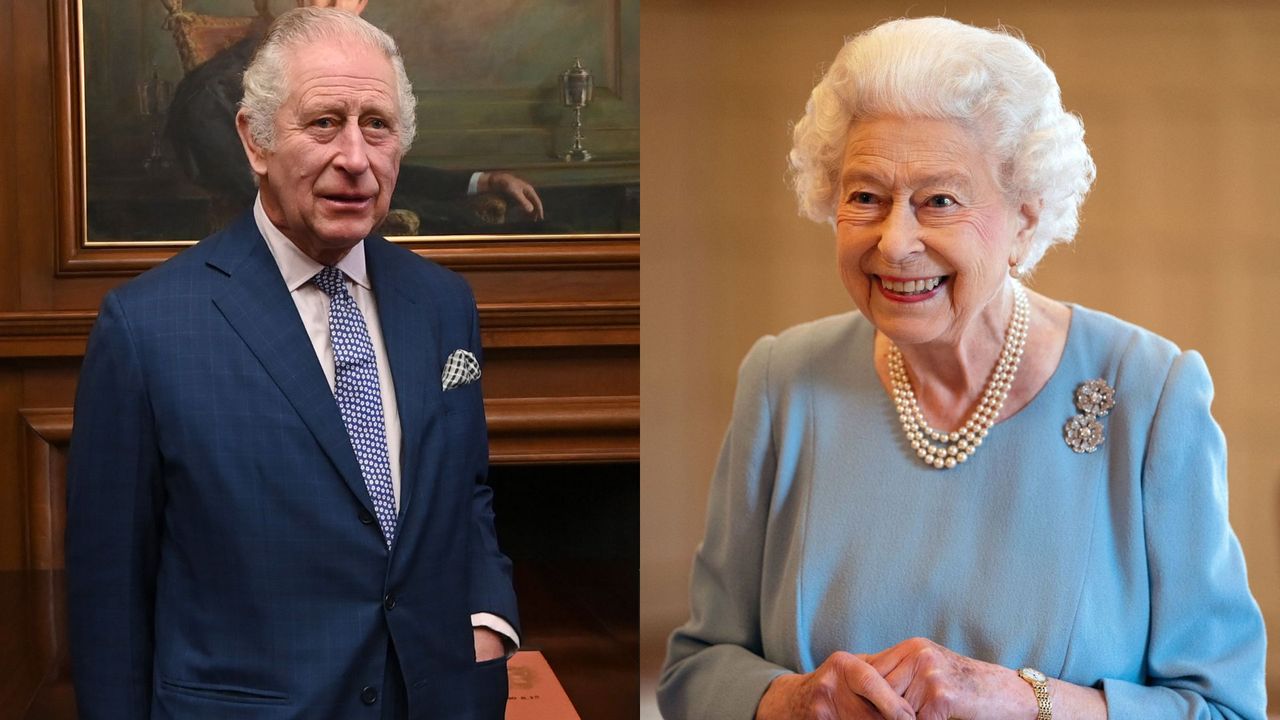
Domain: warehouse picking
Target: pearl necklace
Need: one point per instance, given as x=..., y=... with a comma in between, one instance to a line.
x=960, y=445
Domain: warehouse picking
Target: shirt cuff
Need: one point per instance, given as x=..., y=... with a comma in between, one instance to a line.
x=473, y=187
x=496, y=624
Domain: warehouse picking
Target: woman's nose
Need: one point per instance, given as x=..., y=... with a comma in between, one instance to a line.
x=900, y=233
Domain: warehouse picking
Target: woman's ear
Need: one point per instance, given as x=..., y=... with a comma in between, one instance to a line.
x=1027, y=220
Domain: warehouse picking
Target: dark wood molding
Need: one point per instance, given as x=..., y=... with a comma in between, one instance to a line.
x=47, y=435
x=490, y=253
x=69, y=217
x=521, y=431
x=576, y=324
x=530, y=253
x=64, y=333
x=52, y=425
x=563, y=430
x=45, y=334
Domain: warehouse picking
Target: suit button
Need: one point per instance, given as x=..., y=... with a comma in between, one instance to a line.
x=368, y=695
x=365, y=517
x=389, y=601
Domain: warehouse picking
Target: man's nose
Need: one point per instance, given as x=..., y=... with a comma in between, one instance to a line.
x=900, y=233
x=353, y=151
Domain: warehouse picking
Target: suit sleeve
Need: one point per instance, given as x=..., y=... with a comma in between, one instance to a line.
x=1206, y=653
x=491, y=586
x=113, y=523
x=425, y=183
x=715, y=666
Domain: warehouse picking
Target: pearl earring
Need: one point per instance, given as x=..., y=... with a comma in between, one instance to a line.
x=1015, y=272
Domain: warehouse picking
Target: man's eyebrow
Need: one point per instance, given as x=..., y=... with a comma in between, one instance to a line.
x=320, y=105
x=343, y=105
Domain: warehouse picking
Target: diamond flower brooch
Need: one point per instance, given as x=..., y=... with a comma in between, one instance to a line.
x=1094, y=399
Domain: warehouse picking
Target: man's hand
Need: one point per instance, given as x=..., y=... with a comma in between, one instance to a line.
x=489, y=644
x=512, y=188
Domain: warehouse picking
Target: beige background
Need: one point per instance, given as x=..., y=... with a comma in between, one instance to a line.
x=1181, y=105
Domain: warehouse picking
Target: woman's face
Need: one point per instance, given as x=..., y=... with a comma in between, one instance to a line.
x=924, y=233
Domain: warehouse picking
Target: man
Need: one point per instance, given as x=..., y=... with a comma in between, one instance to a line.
x=201, y=129
x=276, y=504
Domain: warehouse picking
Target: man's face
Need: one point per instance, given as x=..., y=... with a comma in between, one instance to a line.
x=327, y=182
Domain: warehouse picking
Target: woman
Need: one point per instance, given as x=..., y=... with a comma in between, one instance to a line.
x=966, y=500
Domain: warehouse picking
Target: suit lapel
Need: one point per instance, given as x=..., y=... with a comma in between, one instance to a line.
x=410, y=334
x=257, y=304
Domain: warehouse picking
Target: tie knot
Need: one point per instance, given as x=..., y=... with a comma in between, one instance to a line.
x=331, y=281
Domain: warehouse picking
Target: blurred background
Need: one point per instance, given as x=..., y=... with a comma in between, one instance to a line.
x=1181, y=106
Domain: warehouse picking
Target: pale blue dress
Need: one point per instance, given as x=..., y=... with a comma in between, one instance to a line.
x=1116, y=569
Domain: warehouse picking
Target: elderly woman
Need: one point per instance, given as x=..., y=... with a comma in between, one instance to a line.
x=965, y=500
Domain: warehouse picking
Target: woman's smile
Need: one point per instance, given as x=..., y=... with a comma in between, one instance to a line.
x=910, y=290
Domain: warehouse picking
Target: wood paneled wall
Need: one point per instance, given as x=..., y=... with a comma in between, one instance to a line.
x=559, y=315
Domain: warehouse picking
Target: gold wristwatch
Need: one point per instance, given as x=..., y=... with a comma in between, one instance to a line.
x=1040, y=684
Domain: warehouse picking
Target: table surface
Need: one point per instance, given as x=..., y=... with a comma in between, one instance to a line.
x=581, y=615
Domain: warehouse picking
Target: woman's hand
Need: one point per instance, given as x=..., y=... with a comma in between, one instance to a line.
x=941, y=685
x=844, y=686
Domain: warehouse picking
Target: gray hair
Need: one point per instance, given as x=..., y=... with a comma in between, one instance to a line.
x=987, y=80
x=266, y=83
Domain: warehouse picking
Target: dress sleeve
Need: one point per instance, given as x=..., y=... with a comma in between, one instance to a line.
x=714, y=667
x=1207, y=649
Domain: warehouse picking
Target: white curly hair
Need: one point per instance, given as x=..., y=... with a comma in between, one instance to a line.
x=266, y=81
x=988, y=80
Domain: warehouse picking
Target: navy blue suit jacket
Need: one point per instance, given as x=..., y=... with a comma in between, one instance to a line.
x=222, y=557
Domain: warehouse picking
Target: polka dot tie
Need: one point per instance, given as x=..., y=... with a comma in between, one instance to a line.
x=359, y=397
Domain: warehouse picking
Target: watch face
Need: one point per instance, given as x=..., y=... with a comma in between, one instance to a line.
x=1032, y=675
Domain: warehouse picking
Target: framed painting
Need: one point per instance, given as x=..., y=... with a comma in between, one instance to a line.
x=152, y=163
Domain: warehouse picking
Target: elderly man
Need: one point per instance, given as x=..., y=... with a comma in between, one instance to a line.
x=276, y=504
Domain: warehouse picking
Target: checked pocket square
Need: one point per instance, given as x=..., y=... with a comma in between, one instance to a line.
x=461, y=368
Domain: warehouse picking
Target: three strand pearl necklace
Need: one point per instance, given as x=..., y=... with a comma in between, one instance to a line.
x=958, y=446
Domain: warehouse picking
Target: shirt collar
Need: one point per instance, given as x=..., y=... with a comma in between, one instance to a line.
x=295, y=267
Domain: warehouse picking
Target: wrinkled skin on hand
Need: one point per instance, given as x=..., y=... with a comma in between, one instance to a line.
x=844, y=686
x=916, y=678
x=940, y=684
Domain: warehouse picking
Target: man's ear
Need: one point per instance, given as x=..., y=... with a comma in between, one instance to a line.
x=257, y=154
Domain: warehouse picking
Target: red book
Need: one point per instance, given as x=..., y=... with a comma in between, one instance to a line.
x=533, y=692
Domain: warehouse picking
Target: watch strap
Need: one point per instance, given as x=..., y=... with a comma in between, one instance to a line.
x=1040, y=686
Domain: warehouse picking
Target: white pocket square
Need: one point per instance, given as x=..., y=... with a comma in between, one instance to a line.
x=461, y=368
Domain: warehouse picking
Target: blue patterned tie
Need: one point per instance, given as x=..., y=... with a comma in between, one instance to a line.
x=358, y=395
